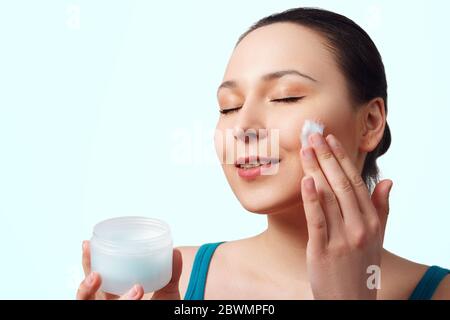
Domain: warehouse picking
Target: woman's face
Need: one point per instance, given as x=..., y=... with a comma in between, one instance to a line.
x=254, y=81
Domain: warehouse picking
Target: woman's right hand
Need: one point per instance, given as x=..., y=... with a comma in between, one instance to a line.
x=89, y=287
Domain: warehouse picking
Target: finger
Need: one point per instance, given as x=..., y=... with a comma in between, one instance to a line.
x=88, y=287
x=315, y=218
x=359, y=187
x=380, y=199
x=338, y=181
x=86, y=257
x=326, y=195
x=171, y=291
x=135, y=293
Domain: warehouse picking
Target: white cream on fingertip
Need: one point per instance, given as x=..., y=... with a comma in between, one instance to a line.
x=310, y=127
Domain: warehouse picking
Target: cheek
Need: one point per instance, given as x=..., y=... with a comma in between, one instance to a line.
x=290, y=138
x=223, y=143
x=342, y=123
x=335, y=113
x=289, y=132
x=219, y=143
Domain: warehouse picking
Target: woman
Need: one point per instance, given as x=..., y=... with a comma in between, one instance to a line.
x=326, y=209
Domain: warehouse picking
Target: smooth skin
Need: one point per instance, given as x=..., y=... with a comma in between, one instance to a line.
x=319, y=239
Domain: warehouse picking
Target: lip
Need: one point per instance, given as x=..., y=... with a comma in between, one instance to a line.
x=252, y=173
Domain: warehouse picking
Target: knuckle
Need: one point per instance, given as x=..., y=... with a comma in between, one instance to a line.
x=357, y=180
x=359, y=238
x=374, y=226
x=318, y=223
x=326, y=155
x=328, y=197
x=339, y=153
x=344, y=185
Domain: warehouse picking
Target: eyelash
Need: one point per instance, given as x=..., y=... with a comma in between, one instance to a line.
x=283, y=100
x=229, y=110
x=287, y=100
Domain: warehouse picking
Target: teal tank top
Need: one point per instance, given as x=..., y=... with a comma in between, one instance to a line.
x=424, y=290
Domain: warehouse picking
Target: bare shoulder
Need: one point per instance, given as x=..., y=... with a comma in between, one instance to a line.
x=187, y=257
x=400, y=277
x=443, y=291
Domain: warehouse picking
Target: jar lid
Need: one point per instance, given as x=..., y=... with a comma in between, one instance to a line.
x=131, y=235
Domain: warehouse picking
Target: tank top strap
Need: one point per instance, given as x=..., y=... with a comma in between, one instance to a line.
x=429, y=283
x=197, y=280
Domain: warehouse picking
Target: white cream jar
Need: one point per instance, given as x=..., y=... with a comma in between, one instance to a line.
x=132, y=250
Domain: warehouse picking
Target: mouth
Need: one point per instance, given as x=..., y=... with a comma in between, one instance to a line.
x=252, y=162
x=251, y=167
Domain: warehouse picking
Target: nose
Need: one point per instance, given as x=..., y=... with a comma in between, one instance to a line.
x=250, y=123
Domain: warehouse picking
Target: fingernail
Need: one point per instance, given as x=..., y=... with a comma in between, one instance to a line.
x=133, y=292
x=317, y=139
x=90, y=279
x=332, y=141
x=307, y=153
x=309, y=183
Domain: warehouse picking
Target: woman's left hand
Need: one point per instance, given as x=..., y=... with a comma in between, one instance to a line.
x=345, y=224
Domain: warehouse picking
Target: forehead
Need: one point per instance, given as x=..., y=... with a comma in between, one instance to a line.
x=281, y=46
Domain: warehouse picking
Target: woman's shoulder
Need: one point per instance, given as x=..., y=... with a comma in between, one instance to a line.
x=400, y=276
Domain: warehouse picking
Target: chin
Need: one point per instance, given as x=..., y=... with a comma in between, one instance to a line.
x=257, y=206
x=266, y=194
x=267, y=201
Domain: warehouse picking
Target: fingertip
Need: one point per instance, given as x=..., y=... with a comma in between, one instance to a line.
x=135, y=293
x=95, y=279
x=390, y=186
x=308, y=183
x=85, y=246
x=139, y=291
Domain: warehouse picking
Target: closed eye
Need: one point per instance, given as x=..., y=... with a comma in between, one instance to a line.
x=225, y=111
x=282, y=100
x=287, y=100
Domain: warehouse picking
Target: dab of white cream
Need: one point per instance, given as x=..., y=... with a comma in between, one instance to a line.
x=310, y=127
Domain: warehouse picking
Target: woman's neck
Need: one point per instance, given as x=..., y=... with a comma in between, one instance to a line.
x=282, y=246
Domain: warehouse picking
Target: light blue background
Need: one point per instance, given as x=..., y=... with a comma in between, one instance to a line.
x=90, y=114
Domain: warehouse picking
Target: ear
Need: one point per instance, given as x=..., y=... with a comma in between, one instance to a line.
x=372, y=121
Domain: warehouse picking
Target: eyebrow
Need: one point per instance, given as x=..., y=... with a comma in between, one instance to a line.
x=269, y=76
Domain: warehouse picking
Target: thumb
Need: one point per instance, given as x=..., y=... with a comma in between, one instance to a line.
x=171, y=291
x=380, y=199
